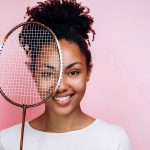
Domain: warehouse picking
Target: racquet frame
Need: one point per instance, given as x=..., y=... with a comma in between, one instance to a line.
x=25, y=106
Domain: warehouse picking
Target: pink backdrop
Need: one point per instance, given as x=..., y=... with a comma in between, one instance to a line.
x=118, y=89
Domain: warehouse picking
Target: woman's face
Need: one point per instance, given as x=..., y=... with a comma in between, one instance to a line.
x=73, y=84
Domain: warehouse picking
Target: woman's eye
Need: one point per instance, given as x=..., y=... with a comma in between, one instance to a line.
x=46, y=74
x=73, y=73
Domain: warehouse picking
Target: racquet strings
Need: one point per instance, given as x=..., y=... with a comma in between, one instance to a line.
x=30, y=65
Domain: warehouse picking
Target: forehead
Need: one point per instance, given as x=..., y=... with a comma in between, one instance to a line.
x=70, y=51
x=49, y=54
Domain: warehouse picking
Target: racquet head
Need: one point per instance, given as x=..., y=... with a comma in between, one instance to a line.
x=31, y=65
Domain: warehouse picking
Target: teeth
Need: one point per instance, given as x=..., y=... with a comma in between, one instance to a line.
x=62, y=98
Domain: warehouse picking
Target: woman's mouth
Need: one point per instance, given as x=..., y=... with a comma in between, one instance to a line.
x=63, y=100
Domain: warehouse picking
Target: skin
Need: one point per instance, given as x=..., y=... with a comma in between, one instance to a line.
x=68, y=116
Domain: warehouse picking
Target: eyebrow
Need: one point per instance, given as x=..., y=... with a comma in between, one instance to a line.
x=48, y=66
x=68, y=67
x=71, y=65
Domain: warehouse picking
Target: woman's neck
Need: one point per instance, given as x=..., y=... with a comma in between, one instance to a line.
x=50, y=122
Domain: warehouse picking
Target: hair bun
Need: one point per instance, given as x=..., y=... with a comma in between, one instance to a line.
x=63, y=12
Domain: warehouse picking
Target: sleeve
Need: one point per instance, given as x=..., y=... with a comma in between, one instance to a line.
x=124, y=142
x=1, y=147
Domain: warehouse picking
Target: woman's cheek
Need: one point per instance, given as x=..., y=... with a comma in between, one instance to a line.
x=78, y=83
x=44, y=89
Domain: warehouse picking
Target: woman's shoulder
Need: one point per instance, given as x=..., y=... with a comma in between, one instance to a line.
x=11, y=130
x=10, y=133
x=109, y=135
x=108, y=128
x=101, y=124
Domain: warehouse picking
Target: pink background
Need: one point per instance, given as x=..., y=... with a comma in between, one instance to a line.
x=118, y=91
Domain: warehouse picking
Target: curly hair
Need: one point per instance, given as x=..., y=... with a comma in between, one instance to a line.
x=68, y=20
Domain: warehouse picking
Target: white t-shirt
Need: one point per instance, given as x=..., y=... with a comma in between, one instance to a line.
x=97, y=136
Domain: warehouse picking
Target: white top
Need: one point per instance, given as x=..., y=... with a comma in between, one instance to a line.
x=97, y=136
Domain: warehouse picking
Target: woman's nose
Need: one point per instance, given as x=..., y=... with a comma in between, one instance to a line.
x=63, y=85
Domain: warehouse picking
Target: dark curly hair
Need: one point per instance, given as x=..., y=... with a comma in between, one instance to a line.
x=68, y=20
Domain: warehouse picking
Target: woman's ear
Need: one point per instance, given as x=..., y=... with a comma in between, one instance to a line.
x=88, y=74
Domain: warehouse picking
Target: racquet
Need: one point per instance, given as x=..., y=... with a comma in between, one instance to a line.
x=31, y=66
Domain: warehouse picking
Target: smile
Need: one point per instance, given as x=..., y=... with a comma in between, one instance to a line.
x=61, y=99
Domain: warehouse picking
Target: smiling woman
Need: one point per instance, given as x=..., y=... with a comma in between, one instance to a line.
x=64, y=125
x=73, y=83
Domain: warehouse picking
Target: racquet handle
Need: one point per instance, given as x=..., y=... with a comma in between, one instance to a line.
x=22, y=128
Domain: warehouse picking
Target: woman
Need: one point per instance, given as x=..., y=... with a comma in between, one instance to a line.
x=64, y=125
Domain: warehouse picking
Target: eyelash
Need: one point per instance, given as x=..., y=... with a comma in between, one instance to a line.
x=46, y=74
x=50, y=74
x=73, y=73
